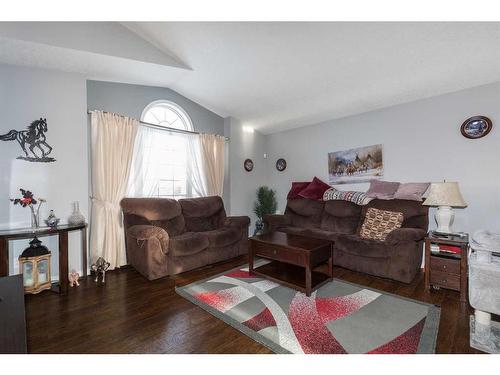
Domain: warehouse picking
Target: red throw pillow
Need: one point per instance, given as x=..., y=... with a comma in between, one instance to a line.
x=315, y=189
x=297, y=187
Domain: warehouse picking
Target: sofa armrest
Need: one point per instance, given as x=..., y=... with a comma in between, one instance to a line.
x=143, y=233
x=404, y=235
x=237, y=221
x=271, y=222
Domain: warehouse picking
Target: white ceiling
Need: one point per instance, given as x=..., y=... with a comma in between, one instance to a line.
x=277, y=76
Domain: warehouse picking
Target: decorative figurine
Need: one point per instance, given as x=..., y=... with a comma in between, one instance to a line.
x=73, y=278
x=100, y=267
x=52, y=220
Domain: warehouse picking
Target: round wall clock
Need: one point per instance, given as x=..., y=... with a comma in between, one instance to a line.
x=281, y=165
x=248, y=165
x=476, y=127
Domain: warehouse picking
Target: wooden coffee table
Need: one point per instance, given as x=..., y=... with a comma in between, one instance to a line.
x=293, y=259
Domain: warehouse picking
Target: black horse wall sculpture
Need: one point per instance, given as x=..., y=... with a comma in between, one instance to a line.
x=33, y=137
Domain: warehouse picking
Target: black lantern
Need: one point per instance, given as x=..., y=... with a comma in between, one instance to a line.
x=34, y=263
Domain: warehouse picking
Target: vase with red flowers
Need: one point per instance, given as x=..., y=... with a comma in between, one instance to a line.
x=28, y=200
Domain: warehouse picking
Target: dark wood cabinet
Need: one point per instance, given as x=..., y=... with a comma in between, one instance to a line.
x=444, y=270
x=12, y=316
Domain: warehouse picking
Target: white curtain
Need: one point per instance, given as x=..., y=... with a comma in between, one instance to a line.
x=212, y=156
x=113, y=138
x=196, y=166
x=144, y=175
x=204, y=162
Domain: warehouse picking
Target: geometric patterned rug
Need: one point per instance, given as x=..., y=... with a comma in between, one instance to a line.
x=338, y=318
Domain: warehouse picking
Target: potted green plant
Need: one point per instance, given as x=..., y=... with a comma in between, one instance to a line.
x=265, y=204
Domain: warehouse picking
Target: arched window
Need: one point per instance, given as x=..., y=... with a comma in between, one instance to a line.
x=165, y=154
x=168, y=114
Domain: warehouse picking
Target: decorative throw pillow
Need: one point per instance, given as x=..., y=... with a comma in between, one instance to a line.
x=411, y=191
x=315, y=189
x=357, y=197
x=379, y=223
x=382, y=189
x=297, y=187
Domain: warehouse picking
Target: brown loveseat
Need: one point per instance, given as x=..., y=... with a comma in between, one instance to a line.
x=167, y=237
x=399, y=257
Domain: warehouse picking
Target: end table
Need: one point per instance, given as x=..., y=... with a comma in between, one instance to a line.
x=447, y=270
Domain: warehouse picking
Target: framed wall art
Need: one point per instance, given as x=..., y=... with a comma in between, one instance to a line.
x=355, y=165
x=248, y=165
x=476, y=127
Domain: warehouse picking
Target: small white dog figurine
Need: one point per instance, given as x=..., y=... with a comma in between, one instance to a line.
x=73, y=278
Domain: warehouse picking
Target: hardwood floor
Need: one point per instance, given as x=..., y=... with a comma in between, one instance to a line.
x=130, y=314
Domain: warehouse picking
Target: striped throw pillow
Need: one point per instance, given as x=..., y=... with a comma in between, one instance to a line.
x=357, y=197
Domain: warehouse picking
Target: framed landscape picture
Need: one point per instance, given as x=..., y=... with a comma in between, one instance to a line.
x=355, y=165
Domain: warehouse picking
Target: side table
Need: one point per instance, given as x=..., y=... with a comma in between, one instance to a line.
x=62, y=232
x=447, y=270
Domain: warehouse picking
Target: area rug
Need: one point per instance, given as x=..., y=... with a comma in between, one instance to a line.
x=338, y=318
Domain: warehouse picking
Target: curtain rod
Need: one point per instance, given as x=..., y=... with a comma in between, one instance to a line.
x=159, y=127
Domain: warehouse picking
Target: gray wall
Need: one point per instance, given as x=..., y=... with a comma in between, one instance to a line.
x=421, y=142
x=130, y=100
x=27, y=94
x=242, y=184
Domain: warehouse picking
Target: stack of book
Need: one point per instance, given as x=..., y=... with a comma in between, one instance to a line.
x=446, y=249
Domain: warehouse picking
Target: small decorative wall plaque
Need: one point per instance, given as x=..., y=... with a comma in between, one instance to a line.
x=476, y=127
x=248, y=165
x=281, y=164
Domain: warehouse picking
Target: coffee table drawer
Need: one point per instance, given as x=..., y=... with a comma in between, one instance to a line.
x=278, y=253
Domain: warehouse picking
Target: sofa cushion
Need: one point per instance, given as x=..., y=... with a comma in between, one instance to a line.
x=203, y=214
x=219, y=254
x=161, y=212
x=188, y=243
x=292, y=230
x=304, y=213
x=382, y=189
x=315, y=189
x=379, y=223
x=355, y=245
x=321, y=234
x=340, y=216
x=297, y=187
x=412, y=191
x=223, y=236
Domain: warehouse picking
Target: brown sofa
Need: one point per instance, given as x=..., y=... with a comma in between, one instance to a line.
x=167, y=237
x=399, y=257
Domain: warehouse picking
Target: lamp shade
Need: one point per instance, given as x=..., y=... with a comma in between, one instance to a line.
x=445, y=194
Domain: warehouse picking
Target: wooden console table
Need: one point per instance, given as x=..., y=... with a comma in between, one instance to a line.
x=62, y=232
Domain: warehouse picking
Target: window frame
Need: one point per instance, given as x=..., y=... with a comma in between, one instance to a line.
x=181, y=112
x=188, y=126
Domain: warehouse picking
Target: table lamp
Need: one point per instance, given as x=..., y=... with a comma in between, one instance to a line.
x=444, y=196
